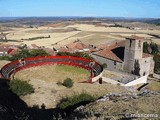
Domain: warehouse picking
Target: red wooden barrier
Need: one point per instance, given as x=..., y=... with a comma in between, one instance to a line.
x=15, y=66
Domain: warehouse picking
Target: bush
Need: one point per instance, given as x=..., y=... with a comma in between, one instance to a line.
x=157, y=64
x=25, y=53
x=68, y=82
x=4, y=58
x=76, y=54
x=104, y=65
x=75, y=99
x=20, y=87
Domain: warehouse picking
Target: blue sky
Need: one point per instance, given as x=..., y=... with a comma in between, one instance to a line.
x=95, y=8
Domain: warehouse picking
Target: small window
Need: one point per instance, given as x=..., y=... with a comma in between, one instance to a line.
x=144, y=73
x=130, y=43
x=115, y=63
x=139, y=44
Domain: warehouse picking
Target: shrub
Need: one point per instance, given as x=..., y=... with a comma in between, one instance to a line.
x=24, y=53
x=20, y=87
x=104, y=65
x=68, y=82
x=75, y=99
x=76, y=54
x=157, y=64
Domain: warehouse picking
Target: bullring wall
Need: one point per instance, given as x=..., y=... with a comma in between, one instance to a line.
x=17, y=65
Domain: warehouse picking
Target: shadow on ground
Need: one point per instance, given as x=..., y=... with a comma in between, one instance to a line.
x=13, y=108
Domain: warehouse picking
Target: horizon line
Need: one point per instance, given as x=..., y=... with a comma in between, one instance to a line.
x=81, y=17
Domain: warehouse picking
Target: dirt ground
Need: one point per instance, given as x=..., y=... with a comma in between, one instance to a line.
x=48, y=92
x=53, y=73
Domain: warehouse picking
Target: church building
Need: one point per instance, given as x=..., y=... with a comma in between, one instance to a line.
x=126, y=56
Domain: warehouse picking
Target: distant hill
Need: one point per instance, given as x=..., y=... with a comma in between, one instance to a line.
x=155, y=21
x=46, y=20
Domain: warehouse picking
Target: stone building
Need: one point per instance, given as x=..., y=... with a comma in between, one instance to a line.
x=125, y=54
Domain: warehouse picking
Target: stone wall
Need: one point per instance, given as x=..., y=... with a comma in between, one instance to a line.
x=110, y=63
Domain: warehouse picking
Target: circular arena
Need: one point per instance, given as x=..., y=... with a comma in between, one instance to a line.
x=12, y=68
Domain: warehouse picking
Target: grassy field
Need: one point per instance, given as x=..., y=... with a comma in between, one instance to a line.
x=154, y=85
x=54, y=73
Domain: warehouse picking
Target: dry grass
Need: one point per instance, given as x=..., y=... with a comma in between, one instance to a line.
x=49, y=93
x=89, y=34
x=143, y=105
x=3, y=62
x=54, y=73
x=154, y=85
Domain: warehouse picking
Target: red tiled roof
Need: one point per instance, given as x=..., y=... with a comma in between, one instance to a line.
x=13, y=52
x=64, y=49
x=107, y=53
x=10, y=50
x=77, y=45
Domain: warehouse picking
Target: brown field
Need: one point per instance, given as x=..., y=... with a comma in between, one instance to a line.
x=63, y=34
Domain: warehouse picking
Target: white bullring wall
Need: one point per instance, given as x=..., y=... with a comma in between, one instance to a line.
x=140, y=80
x=97, y=77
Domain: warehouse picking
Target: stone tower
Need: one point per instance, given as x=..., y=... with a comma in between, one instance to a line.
x=133, y=51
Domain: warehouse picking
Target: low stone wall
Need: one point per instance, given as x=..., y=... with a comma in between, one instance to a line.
x=137, y=81
x=108, y=80
x=156, y=75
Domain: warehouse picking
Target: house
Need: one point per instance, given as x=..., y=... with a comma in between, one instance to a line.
x=6, y=49
x=78, y=46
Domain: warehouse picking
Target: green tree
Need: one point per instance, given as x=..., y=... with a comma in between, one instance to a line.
x=76, y=54
x=25, y=53
x=145, y=47
x=38, y=52
x=21, y=54
x=75, y=99
x=157, y=64
x=20, y=87
x=136, y=70
x=154, y=48
x=68, y=82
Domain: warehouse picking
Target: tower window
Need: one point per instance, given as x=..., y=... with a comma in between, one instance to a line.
x=139, y=44
x=130, y=43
